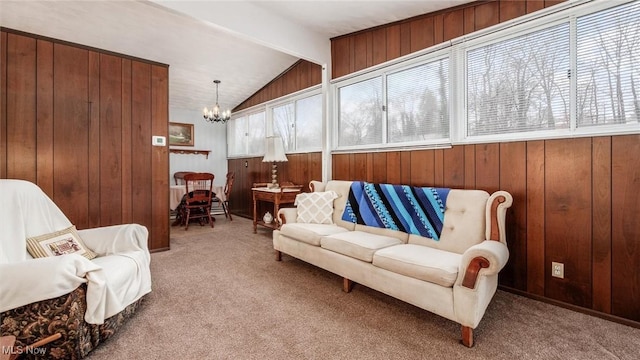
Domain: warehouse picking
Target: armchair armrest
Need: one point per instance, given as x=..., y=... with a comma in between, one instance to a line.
x=34, y=280
x=287, y=215
x=116, y=239
x=486, y=258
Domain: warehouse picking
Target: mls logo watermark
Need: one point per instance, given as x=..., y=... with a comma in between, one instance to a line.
x=19, y=350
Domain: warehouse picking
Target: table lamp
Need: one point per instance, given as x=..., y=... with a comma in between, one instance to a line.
x=274, y=152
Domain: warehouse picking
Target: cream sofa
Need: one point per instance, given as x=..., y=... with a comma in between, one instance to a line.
x=455, y=277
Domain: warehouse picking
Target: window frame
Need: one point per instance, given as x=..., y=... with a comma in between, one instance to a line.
x=436, y=53
x=267, y=108
x=288, y=99
x=245, y=113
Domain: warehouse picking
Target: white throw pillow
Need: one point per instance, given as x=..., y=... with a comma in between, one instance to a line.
x=315, y=207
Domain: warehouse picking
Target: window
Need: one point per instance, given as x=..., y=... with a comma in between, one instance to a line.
x=520, y=84
x=549, y=80
x=309, y=123
x=608, y=73
x=418, y=101
x=296, y=118
x=237, y=136
x=571, y=71
x=410, y=105
x=246, y=134
x=360, y=118
x=299, y=123
x=257, y=133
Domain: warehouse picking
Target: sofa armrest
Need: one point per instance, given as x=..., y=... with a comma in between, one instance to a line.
x=496, y=211
x=486, y=258
x=116, y=239
x=287, y=215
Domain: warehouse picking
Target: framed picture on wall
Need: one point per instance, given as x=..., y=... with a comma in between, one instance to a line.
x=180, y=134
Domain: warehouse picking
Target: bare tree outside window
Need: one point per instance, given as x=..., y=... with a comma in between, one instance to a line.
x=360, y=118
x=284, y=122
x=608, y=44
x=417, y=99
x=309, y=123
x=519, y=84
x=256, y=133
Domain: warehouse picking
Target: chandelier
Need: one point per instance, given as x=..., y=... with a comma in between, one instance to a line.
x=214, y=115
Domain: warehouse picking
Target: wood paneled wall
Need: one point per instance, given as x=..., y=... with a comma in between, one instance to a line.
x=299, y=76
x=78, y=122
x=300, y=169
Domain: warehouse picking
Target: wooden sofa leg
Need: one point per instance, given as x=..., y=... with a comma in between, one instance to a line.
x=347, y=285
x=467, y=336
x=278, y=256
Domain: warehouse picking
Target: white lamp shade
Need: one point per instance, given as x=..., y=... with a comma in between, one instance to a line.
x=274, y=150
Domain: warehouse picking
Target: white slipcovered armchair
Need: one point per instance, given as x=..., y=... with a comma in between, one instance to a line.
x=83, y=300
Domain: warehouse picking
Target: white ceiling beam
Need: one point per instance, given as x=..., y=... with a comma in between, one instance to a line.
x=257, y=24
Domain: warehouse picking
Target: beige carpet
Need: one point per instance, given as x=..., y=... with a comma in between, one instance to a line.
x=220, y=294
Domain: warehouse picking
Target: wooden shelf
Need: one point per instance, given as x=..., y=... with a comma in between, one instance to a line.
x=190, y=152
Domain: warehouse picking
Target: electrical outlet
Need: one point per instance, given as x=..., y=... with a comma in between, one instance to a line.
x=557, y=270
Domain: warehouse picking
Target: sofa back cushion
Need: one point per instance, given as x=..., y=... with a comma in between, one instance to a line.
x=464, y=222
x=342, y=189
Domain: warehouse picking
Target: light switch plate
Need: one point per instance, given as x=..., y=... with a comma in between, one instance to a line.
x=158, y=140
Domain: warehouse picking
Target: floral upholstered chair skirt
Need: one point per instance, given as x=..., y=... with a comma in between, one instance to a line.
x=63, y=315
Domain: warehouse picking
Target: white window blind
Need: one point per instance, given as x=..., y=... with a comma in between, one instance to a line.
x=608, y=66
x=299, y=123
x=418, y=103
x=257, y=133
x=237, y=136
x=309, y=123
x=360, y=113
x=520, y=84
x=284, y=124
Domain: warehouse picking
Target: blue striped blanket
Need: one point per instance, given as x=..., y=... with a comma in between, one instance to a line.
x=411, y=209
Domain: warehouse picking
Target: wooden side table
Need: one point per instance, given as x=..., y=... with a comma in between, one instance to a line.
x=275, y=196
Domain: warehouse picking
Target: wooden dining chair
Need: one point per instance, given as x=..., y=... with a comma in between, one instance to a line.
x=197, y=199
x=231, y=175
x=178, y=177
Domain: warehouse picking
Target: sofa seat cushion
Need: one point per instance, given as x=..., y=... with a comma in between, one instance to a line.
x=420, y=262
x=357, y=244
x=310, y=233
